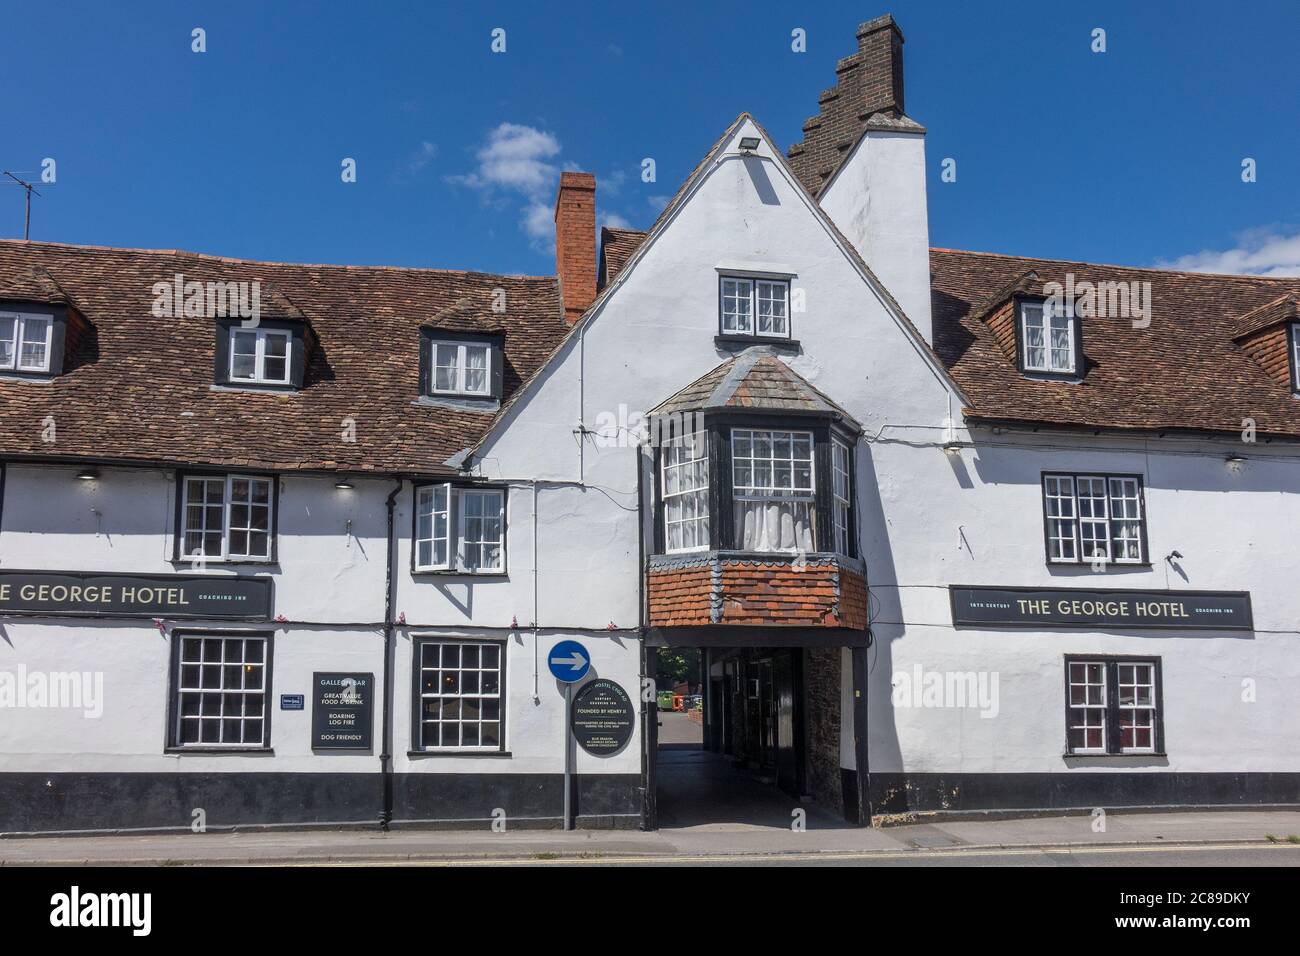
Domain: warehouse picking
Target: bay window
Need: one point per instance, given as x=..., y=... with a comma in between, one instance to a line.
x=742, y=484
x=772, y=490
x=459, y=529
x=842, y=499
x=685, y=486
x=226, y=518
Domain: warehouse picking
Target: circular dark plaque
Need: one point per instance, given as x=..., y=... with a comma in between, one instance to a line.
x=602, y=718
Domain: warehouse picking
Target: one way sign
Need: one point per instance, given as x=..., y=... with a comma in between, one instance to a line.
x=569, y=661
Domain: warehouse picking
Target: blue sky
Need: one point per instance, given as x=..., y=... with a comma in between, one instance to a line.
x=1130, y=156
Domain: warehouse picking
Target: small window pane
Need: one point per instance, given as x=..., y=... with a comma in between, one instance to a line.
x=460, y=697
x=221, y=702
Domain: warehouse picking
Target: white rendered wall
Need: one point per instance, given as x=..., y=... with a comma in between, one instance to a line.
x=978, y=521
x=878, y=200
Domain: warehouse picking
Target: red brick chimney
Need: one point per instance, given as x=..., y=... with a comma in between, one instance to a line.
x=575, y=242
x=880, y=53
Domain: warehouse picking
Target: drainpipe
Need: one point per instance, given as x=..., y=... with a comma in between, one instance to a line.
x=386, y=756
x=650, y=709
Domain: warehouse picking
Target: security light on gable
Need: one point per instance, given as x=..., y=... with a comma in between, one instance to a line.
x=749, y=143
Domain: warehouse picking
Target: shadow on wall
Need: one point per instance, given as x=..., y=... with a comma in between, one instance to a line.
x=757, y=170
x=885, y=614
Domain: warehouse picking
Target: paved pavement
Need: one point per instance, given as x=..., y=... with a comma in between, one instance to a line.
x=1191, y=839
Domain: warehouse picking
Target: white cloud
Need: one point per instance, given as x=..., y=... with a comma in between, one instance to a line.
x=613, y=220
x=520, y=160
x=538, y=223
x=519, y=166
x=657, y=203
x=515, y=157
x=1261, y=252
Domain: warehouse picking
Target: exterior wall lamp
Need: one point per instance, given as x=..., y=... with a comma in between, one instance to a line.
x=88, y=474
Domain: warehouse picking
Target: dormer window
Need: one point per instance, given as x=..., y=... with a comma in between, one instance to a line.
x=260, y=356
x=1049, y=341
x=270, y=356
x=1295, y=356
x=755, y=307
x=462, y=368
x=26, y=342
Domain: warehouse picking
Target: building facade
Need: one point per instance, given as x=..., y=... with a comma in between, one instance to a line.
x=292, y=545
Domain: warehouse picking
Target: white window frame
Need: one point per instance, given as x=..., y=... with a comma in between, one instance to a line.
x=1064, y=513
x=841, y=496
x=794, y=492
x=259, y=376
x=227, y=505
x=431, y=494
x=1087, y=706
x=674, y=461
x=21, y=319
x=1044, y=321
x=462, y=368
x=1107, y=697
x=750, y=289
x=224, y=698
x=465, y=495
x=1132, y=708
x=425, y=694
x=453, y=505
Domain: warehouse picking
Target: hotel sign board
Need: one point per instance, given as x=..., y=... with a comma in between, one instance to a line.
x=1098, y=609
x=134, y=595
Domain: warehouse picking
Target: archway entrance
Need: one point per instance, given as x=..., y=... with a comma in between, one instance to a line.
x=748, y=735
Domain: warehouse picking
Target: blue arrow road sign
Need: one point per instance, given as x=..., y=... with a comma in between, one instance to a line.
x=569, y=661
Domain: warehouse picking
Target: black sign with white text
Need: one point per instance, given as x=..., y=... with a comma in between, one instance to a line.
x=342, y=711
x=135, y=595
x=602, y=718
x=1078, y=607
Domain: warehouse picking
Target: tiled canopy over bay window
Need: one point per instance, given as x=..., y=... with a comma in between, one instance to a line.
x=753, y=458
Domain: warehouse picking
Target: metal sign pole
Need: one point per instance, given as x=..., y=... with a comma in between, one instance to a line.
x=568, y=757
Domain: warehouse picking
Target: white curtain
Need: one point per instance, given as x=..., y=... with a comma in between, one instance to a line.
x=774, y=525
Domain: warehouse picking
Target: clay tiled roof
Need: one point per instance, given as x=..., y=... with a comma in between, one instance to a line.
x=140, y=388
x=616, y=247
x=1183, y=371
x=754, y=380
x=1285, y=308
